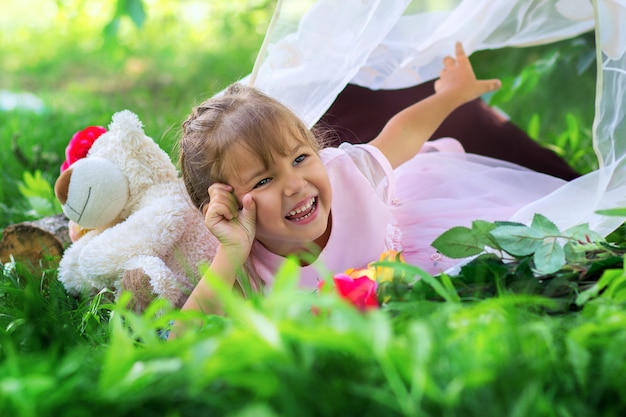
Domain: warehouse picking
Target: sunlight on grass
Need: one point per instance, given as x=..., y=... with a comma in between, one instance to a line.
x=185, y=52
x=497, y=356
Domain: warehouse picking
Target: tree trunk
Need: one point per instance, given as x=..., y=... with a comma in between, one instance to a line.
x=38, y=244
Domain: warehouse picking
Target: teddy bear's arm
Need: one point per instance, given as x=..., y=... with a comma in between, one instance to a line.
x=70, y=273
x=151, y=231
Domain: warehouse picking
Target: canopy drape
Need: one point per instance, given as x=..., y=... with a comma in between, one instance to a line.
x=317, y=47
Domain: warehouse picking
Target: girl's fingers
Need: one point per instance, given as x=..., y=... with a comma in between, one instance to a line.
x=216, y=213
x=461, y=58
x=489, y=85
x=249, y=209
x=222, y=201
x=219, y=187
x=458, y=75
x=459, y=51
x=448, y=61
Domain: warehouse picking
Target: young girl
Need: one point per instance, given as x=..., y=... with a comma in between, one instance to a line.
x=267, y=191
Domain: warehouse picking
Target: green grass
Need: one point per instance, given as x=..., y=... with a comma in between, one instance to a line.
x=271, y=356
x=179, y=57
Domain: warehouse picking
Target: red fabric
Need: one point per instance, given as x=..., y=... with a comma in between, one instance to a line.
x=358, y=114
x=79, y=145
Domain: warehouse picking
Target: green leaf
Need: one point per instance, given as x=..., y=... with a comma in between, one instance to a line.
x=236, y=307
x=544, y=225
x=582, y=233
x=573, y=130
x=481, y=277
x=523, y=270
x=518, y=240
x=508, y=223
x=42, y=207
x=534, y=126
x=608, y=277
x=451, y=290
x=482, y=230
x=39, y=193
x=459, y=242
x=579, y=359
x=35, y=185
x=549, y=256
x=615, y=281
x=613, y=212
x=574, y=253
x=486, y=260
x=110, y=29
x=135, y=10
x=445, y=290
x=288, y=276
x=604, y=264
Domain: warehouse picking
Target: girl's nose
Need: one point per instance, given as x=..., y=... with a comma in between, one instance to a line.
x=294, y=184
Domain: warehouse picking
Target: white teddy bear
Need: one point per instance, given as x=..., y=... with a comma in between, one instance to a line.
x=144, y=234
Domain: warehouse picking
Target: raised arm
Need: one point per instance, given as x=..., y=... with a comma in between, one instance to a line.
x=405, y=133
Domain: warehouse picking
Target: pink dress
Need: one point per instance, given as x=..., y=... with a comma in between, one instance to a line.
x=376, y=208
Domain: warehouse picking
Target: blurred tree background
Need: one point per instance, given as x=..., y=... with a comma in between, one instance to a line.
x=68, y=64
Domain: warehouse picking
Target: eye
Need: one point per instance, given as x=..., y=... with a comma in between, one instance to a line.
x=299, y=159
x=262, y=182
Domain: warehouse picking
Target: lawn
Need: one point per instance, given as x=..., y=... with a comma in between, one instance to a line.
x=492, y=341
x=183, y=53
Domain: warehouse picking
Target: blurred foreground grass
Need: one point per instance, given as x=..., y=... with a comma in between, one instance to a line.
x=270, y=357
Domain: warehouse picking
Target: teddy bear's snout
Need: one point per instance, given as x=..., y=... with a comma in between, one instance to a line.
x=62, y=185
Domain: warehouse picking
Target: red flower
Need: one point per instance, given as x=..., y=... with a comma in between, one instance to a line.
x=80, y=144
x=361, y=291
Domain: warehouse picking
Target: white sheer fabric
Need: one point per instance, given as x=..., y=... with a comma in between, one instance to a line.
x=577, y=201
x=319, y=46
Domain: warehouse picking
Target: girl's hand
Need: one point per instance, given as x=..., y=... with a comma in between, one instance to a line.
x=234, y=228
x=457, y=78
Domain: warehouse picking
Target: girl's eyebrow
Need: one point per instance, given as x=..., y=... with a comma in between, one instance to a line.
x=263, y=170
x=296, y=148
x=254, y=175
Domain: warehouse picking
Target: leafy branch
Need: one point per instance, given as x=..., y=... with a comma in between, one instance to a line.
x=513, y=258
x=551, y=249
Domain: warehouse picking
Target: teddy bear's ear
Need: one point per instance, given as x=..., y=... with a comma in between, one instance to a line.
x=125, y=124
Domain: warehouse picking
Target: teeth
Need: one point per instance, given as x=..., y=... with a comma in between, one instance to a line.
x=303, y=217
x=303, y=208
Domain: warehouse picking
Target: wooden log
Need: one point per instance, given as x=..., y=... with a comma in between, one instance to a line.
x=38, y=244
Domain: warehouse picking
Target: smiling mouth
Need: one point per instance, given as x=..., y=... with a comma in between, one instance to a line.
x=303, y=212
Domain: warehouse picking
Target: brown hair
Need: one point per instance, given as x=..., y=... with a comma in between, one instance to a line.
x=241, y=115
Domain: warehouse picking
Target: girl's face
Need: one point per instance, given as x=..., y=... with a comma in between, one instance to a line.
x=292, y=196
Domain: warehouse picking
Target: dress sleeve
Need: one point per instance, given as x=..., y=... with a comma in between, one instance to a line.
x=374, y=166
